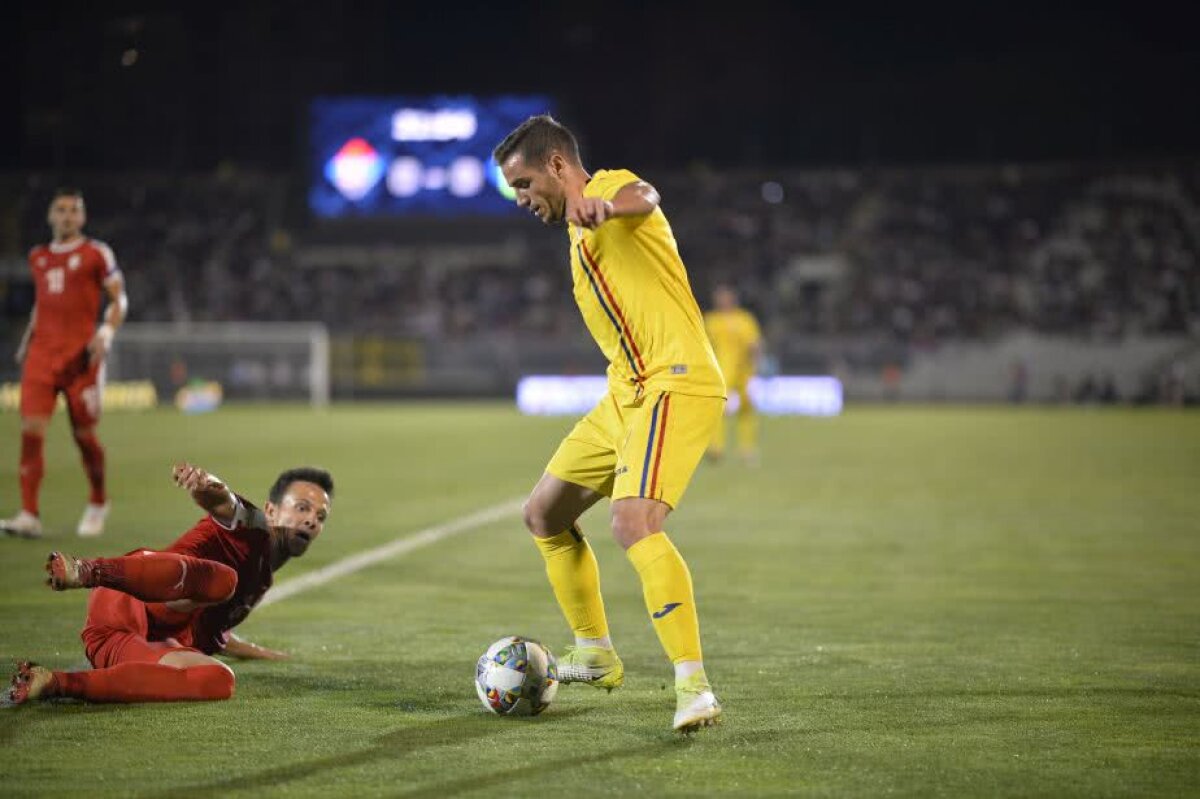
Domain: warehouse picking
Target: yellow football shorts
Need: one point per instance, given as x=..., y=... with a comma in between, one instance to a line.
x=648, y=447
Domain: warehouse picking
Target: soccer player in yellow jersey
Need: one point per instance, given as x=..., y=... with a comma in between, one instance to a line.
x=737, y=341
x=642, y=442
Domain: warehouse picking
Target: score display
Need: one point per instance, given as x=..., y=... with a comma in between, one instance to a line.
x=419, y=156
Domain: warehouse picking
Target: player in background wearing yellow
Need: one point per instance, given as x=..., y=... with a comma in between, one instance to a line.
x=642, y=442
x=737, y=341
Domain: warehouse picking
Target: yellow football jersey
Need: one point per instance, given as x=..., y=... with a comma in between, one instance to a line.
x=633, y=292
x=733, y=334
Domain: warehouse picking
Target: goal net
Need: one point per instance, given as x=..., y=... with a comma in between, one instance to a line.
x=250, y=360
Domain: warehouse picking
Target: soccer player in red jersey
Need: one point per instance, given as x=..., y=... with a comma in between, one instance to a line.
x=63, y=351
x=156, y=618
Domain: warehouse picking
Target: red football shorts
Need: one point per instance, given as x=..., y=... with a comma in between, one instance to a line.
x=42, y=380
x=118, y=630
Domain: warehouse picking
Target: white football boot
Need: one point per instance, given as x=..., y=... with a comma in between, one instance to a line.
x=695, y=704
x=23, y=525
x=92, y=523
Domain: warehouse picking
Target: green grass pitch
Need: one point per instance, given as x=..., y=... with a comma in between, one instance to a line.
x=901, y=601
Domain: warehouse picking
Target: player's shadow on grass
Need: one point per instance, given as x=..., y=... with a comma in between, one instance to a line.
x=1032, y=692
x=14, y=718
x=1076, y=692
x=514, y=776
x=391, y=746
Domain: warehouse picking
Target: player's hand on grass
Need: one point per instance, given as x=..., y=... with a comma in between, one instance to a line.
x=100, y=344
x=588, y=212
x=262, y=653
x=248, y=650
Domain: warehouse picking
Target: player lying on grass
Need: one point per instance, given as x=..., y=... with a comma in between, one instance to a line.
x=155, y=618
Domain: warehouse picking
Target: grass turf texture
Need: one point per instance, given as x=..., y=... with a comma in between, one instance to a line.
x=924, y=602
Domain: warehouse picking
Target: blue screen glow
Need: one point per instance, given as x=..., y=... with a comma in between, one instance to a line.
x=419, y=156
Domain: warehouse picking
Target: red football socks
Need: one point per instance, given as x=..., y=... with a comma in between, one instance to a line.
x=164, y=577
x=33, y=466
x=93, y=464
x=145, y=682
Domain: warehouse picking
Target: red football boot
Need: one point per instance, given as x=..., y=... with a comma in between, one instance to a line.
x=31, y=681
x=67, y=571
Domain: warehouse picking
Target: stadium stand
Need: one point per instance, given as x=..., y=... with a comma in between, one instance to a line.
x=851, y=269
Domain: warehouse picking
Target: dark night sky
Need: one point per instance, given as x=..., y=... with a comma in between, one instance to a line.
x=659, y=84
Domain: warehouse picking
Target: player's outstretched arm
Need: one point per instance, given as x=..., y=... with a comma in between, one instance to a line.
x=208, y=491
x=246, y=650
x=633, y=199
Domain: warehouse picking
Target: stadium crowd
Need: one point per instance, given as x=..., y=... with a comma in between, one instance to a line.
x=913, y=257
x=957, y=254
x=919, y=254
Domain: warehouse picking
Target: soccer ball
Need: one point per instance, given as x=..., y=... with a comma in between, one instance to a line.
x=516, y=677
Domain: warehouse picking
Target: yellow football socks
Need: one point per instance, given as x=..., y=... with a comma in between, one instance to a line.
x=575, y=576
x=747, y=429
x=667, y=588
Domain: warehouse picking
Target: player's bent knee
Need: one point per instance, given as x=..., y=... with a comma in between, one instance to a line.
x=34, y=425
x=554, y=505
x=628, y=532
x=215, y=683
x=534, y=514
x=634, y=519
x=630, y=528
x=189, y=658
x=222, y=585
x=206, y=677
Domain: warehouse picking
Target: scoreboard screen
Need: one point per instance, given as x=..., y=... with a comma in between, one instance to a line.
x=419, y=156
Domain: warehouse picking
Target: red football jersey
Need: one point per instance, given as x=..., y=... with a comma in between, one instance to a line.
x=246, y=548
x=69, y=289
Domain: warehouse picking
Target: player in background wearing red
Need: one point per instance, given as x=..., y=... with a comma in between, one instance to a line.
x=63, y=351
x=155, y=619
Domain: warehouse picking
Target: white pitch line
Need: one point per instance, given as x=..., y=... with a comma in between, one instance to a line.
x=392, y=549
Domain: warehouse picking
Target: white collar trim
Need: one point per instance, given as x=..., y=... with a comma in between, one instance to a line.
x=57, y=248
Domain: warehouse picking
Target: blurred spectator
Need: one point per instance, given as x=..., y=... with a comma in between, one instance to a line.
x=912, y=256
x=891, y=378
x=1087, y=391
x=1018, y=381
x=1107, y=392
x=1062, y=390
